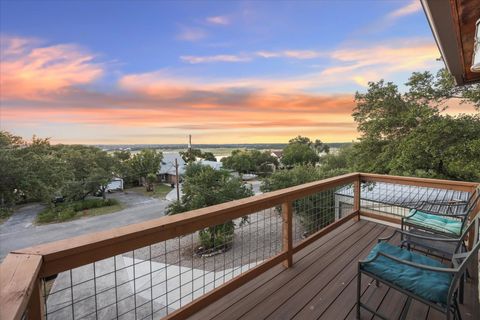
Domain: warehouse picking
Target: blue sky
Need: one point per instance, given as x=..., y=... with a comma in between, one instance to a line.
x=224, y=71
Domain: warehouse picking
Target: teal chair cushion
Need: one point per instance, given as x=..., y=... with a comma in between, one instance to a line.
x=435, y=222
x=430, y=285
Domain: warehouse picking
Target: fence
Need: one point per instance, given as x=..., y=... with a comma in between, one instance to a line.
x=173, y=266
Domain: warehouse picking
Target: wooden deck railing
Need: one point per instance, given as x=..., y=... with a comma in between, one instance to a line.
x=22, y=270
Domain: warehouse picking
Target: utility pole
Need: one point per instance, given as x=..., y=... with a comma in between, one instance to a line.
x=176, y=179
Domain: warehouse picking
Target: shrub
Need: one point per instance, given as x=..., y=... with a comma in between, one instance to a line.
x=68, y=211
x=93, y=203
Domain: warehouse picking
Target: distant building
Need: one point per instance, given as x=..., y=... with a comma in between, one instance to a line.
x=167, y=172
x=114, y=185
x=214, y=164
x=277, y=154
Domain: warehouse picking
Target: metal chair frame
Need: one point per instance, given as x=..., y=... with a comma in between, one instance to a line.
x=460, y=260
x=469, y=206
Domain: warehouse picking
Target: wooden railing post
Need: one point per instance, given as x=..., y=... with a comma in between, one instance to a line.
x=36, y=308
x=473, y=214
x=287, y=213
x=356, y=197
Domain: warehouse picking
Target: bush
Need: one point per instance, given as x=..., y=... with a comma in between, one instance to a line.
x=68, y=211
x=93, y=203
x=219, y=237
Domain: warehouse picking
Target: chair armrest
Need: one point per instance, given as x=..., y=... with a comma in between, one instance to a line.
x=419, y=237
x=448, y=215
x=409, y=263
x=410, y=215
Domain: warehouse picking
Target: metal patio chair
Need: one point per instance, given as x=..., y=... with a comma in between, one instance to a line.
x=418, y=276
x=443, y=219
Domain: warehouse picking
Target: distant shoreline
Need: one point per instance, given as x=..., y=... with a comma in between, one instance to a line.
x=263, y=146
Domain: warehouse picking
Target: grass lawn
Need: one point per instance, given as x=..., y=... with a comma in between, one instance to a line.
x=160, y=191
x=78, y=209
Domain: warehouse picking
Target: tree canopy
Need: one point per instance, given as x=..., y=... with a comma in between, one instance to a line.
x=145, y=162
x=191, y=155
x=409, y=134
x=38, y=171
x=204, y=186
x=250, y=161
x=299, y=153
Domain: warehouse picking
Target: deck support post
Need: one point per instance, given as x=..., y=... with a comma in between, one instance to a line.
x=287, y=226
x=356, y=197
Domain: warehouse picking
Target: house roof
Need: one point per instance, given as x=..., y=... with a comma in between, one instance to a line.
x=453, y=26
x=277, y=153
x=214, y=164
x=167, y=166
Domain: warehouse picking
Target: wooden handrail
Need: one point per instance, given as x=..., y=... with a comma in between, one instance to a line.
x=420, y=182
x=74, y=252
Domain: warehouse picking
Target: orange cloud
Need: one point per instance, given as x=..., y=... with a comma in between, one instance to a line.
x=34, y=72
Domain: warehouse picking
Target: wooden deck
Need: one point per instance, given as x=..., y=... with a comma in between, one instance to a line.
x=322, y=284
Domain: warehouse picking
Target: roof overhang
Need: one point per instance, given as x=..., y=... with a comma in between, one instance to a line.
x=453, y=24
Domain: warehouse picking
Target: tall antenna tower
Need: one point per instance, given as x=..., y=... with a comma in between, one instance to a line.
x=189, y=142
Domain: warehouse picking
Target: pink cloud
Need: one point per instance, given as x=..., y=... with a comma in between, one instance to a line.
x=36, y=72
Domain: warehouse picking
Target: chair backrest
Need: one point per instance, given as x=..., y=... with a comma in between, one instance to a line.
x=473, y=225
x=473, y=201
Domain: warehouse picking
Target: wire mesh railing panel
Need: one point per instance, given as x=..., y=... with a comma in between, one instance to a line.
x=392, y=199
x=154, y=281
x=318, y=210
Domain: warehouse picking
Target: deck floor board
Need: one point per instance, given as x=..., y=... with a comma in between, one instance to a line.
x=322, y=285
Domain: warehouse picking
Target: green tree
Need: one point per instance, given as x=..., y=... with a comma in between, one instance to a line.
x=191, y=155
x=296, y=153
x=121, y=166
x=316, y=145
x=45, y=171
x=12, y=172
x=202, y=187
x=92, y=170
x=314, y=211
x=248, y=161
x=145, y=162
x=151, y=178
x=446, y=147
x=209, y=156
x=407, y=133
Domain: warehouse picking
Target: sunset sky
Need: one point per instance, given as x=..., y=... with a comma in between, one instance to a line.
x=225, y=72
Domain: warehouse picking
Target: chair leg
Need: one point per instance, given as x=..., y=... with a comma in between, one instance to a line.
x=457, y=311
x=403, y=316
x=461, y=289
x=359, y=286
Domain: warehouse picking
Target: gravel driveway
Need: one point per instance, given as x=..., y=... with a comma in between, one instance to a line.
x=19, y=231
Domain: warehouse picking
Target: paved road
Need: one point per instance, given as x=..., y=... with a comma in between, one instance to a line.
x=19, y=232
x=23, y=218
